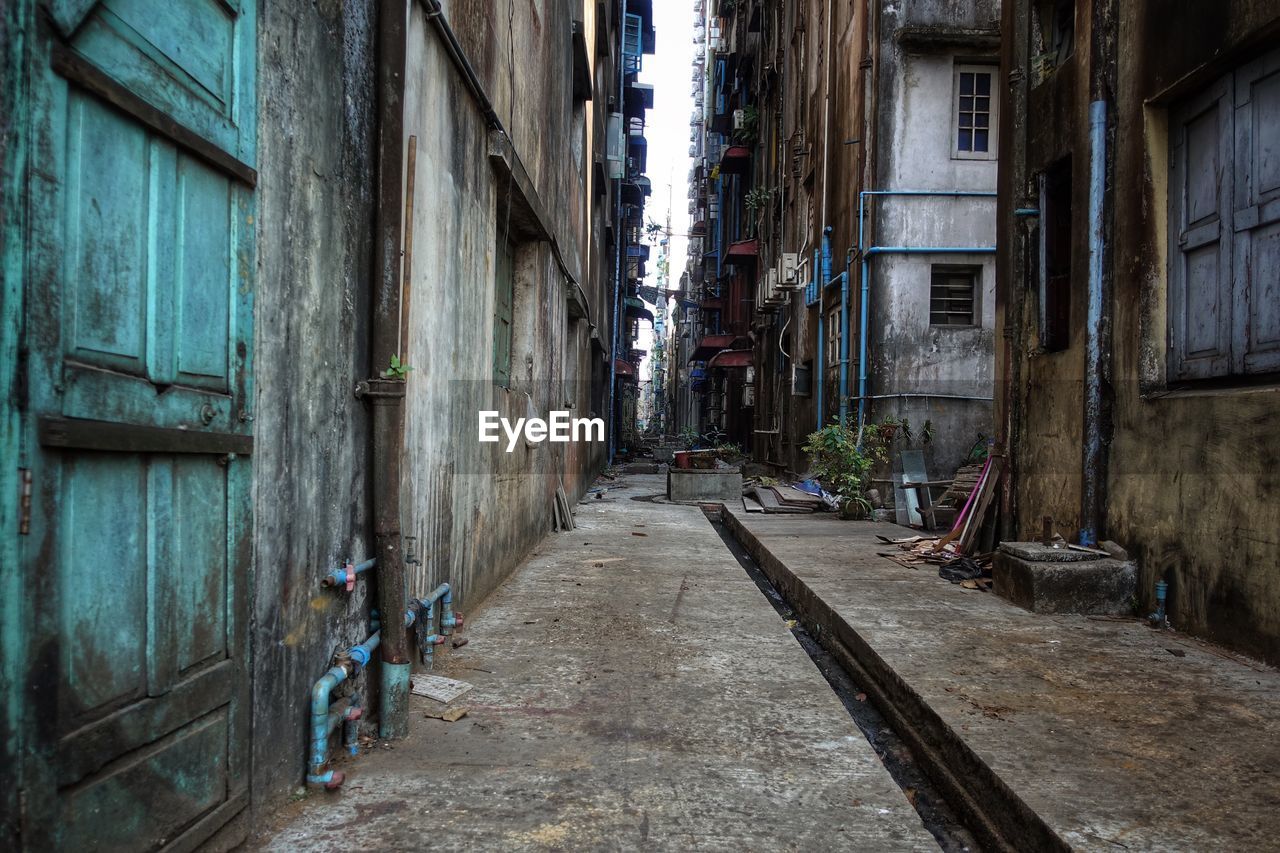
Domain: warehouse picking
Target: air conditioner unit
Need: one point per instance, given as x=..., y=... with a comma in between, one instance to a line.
x=788, y=276
x=777, y=296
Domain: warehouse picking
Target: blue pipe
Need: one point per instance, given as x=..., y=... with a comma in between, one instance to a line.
x=864, y=253
x=449, y=621
x=820, y=360
x=346, y=575
x=351, y=735
x=1091, y=481
x=321, y=724
x=1157, y=619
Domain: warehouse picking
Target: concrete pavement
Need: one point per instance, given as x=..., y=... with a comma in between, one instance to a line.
x=633, y=690
x=1054, y=730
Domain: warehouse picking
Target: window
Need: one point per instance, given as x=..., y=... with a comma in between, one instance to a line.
x=953, y=294
x=1224, y=227
x=1054, y=275
x=974, y=113
x=802, y=379
x=503, y=305
x=1053, y=35
x=833, y=336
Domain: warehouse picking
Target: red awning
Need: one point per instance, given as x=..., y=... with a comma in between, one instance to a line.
x=699, y=229
x=710, y=345
x=624, y=368
x=736, y=159
x=743, y=249
x=732, y=358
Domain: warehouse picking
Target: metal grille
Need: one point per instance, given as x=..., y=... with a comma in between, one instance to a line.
x=952, y=295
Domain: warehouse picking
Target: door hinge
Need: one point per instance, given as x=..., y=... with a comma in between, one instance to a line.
x=24, y=501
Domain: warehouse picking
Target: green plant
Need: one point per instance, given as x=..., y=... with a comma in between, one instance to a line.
x=397, y=370
x=728, y=450
x=758, y=198
x=841, y=466
x=750, y=129
x=689, y=437
x=926, y=432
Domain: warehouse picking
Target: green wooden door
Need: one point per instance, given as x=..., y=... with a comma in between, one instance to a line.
x=138, y=328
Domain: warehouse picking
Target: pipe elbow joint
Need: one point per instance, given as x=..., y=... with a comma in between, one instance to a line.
x=331, y=780
x=359, y=657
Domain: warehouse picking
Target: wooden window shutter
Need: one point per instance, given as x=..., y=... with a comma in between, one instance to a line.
x=1201, y=165
x=1256, y=217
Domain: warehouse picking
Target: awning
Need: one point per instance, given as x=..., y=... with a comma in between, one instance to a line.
x=732, y=358
x=710, y=345
x=699, y=228
x=636, y=308
x=743, y=250
x=624, y=368
x=736, y=159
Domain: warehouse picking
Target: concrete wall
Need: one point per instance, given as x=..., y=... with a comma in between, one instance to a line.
x=475, y=509
x=908, y=356
x=891, y=119
x=315, y=213
x=1191, y=479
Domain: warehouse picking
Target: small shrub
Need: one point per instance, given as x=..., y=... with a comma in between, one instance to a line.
x=841, y=466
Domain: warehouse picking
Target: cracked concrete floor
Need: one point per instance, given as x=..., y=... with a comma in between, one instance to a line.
x=633, y=689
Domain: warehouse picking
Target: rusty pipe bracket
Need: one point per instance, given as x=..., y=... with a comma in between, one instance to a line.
x=380, y=390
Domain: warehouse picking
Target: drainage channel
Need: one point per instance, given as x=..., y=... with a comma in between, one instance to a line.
x=937, y=816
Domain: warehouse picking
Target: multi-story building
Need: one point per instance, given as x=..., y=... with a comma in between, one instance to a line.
x=1139, y=297
x=843, y=184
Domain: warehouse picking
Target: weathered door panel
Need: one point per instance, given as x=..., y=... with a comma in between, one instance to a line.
x=1257, y=214
x=139, y=322
x=1200, y=156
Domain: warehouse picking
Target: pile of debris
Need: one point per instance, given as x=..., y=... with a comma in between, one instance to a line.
x=970, y=572
x=762, y=496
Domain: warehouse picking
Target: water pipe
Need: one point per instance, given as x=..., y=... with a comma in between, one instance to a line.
x=1092, y=478
x=1158, y=619
x=345, y=576
x=449, y=622
x=351, y=733
x=821, y=372
x=323, y=722
x=864, y=253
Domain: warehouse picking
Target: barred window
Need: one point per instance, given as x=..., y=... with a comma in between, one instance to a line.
x=953, y=295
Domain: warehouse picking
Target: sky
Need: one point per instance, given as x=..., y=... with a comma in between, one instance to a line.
x=667, y=130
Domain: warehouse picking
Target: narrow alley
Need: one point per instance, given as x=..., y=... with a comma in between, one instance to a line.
x=639, y=424
x=632, y=687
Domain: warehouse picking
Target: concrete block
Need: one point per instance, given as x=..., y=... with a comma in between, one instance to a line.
x=717, y=484
x=1039, y=553
x=664, y=454
x=1101, y=587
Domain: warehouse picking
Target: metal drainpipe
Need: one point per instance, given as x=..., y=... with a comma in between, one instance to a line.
x=1091, y=482
x=819, y=355
x=615, y=417
x=386, y=396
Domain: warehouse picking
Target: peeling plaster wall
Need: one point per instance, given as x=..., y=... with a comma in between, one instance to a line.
x=1192, y=476
x=315, y=211
x=914, y=151
x=476, y=510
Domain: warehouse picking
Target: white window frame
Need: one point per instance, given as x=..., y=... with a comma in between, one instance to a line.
x=994, y=113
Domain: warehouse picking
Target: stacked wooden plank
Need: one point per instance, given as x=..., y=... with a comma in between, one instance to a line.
x=780, y=500
x=974, y=512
